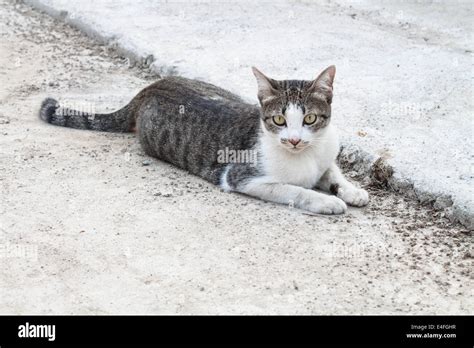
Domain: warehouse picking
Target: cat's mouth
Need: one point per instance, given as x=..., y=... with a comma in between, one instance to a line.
x=295, y=148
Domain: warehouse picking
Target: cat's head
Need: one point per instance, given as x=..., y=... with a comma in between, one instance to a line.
x=295, y=112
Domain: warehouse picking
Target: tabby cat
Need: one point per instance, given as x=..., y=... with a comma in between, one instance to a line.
x=283, y=151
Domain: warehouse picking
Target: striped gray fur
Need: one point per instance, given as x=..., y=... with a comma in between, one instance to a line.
x=181, y=121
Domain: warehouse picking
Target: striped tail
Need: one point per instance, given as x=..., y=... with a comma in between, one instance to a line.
x=119, y=121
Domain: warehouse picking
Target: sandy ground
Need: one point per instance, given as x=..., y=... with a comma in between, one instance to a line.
x=88, y=226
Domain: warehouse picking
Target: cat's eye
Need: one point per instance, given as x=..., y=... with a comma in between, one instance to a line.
x=279, y=120
x=310, y=119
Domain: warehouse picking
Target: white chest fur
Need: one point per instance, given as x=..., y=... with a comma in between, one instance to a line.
x=302, y=169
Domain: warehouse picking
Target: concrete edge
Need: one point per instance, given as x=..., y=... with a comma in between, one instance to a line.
x=373, y=170
x=376, y=171
x=135, y=57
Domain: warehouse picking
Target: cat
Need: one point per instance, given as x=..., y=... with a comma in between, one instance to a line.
x=283, y=151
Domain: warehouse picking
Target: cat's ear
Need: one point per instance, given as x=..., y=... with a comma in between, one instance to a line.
x=266, y=86
x=323, y=83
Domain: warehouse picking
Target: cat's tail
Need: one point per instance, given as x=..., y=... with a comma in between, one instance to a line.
x=119, y=121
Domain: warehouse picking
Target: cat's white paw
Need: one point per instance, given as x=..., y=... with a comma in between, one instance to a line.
x=354, y=196
x=330, y=205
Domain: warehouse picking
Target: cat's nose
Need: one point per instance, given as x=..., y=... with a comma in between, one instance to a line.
x=294, y=141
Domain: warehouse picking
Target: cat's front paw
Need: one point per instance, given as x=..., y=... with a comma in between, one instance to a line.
x=354, y=196
x=330, y=205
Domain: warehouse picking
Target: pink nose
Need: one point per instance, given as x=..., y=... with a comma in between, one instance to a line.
x=295, y=141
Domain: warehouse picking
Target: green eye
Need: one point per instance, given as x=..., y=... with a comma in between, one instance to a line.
x=310, y=119
x=279, y=120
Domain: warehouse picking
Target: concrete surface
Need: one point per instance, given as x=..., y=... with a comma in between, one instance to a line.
x=88, y=227
x=403, y=87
